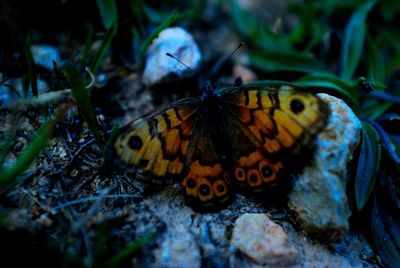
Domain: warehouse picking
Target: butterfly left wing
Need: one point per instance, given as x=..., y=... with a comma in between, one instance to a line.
x=157, y=144
x=270, y=127
x=174, y=142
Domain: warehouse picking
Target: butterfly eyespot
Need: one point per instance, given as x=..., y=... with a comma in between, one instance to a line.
x=191, y=183
x=266, y=171
x=227, y=178
x=204, y=190
x=135, y=143
x=219, y=188
x=239, y=173
x=297, y=106
x=253, y=178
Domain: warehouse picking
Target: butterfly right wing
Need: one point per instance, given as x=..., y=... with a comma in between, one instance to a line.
x=271, y=126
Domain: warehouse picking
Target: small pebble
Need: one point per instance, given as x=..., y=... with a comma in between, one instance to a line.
x=263, y=241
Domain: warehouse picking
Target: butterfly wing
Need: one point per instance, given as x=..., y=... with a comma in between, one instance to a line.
x=158, y=143
x=270, y=126
x=205, y=181
x=174, y=142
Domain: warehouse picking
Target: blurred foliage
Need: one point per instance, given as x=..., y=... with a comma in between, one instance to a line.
x=82, y=98
x=105, y=44
x=369, y=46
x=10, y=173
x=31, y=77
x=108, y=12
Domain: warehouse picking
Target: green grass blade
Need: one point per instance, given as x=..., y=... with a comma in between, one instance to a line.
x=374, y=108
x=82, y=97
x=114, y=133
x=343, y=89
x=385, y=245
x=5, y=145
x=88, y=44
x=133, y=246
x=368, y=164
x=136, y=7
x=161, y=28
x=103, y=48
x=108, y=12
x=374, y=61
x=24, y=160
x=353, y=41
x=31, y=75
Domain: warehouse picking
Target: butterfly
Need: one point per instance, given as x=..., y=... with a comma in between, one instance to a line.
x=247, y=135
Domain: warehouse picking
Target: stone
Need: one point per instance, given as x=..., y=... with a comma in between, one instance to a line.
x=318, y=199
x=161, y=68
x=44, y=55
x=13, y=90
x=178, y=249
x=262, y=240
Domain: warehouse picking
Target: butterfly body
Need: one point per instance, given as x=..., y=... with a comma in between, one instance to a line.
x=246, y=135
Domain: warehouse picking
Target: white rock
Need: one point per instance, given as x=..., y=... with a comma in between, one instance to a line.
x=44, y=55
x=318, y=198
x=262, y=240
x=160, y=67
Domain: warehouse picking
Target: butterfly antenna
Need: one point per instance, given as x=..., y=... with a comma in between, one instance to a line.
x=178, y=60
x=222, y=62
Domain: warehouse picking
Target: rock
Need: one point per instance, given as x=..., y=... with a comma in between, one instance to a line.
x=179, y=249
x=13, y=91
x=262, y=240
x=161, y=68
x=318, y=198
x=44, y=55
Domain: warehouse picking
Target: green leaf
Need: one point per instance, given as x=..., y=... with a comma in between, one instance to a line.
x=108, y=12
x=9, y=135
x=132, y=247
x=161, y=28
x=137, y=41
x=82, y=97
x=136, y=7
x=390, y=37
x=24, y=160
x=286, y=61
x=374, y=60
x=105, y=44
x=353, y=41
x=345, y=90
x=385, y=235
x=88, y=44
x=368, y=164
x=374, y=108
x=31, y=76
x=256, y=30
x=309, y=31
